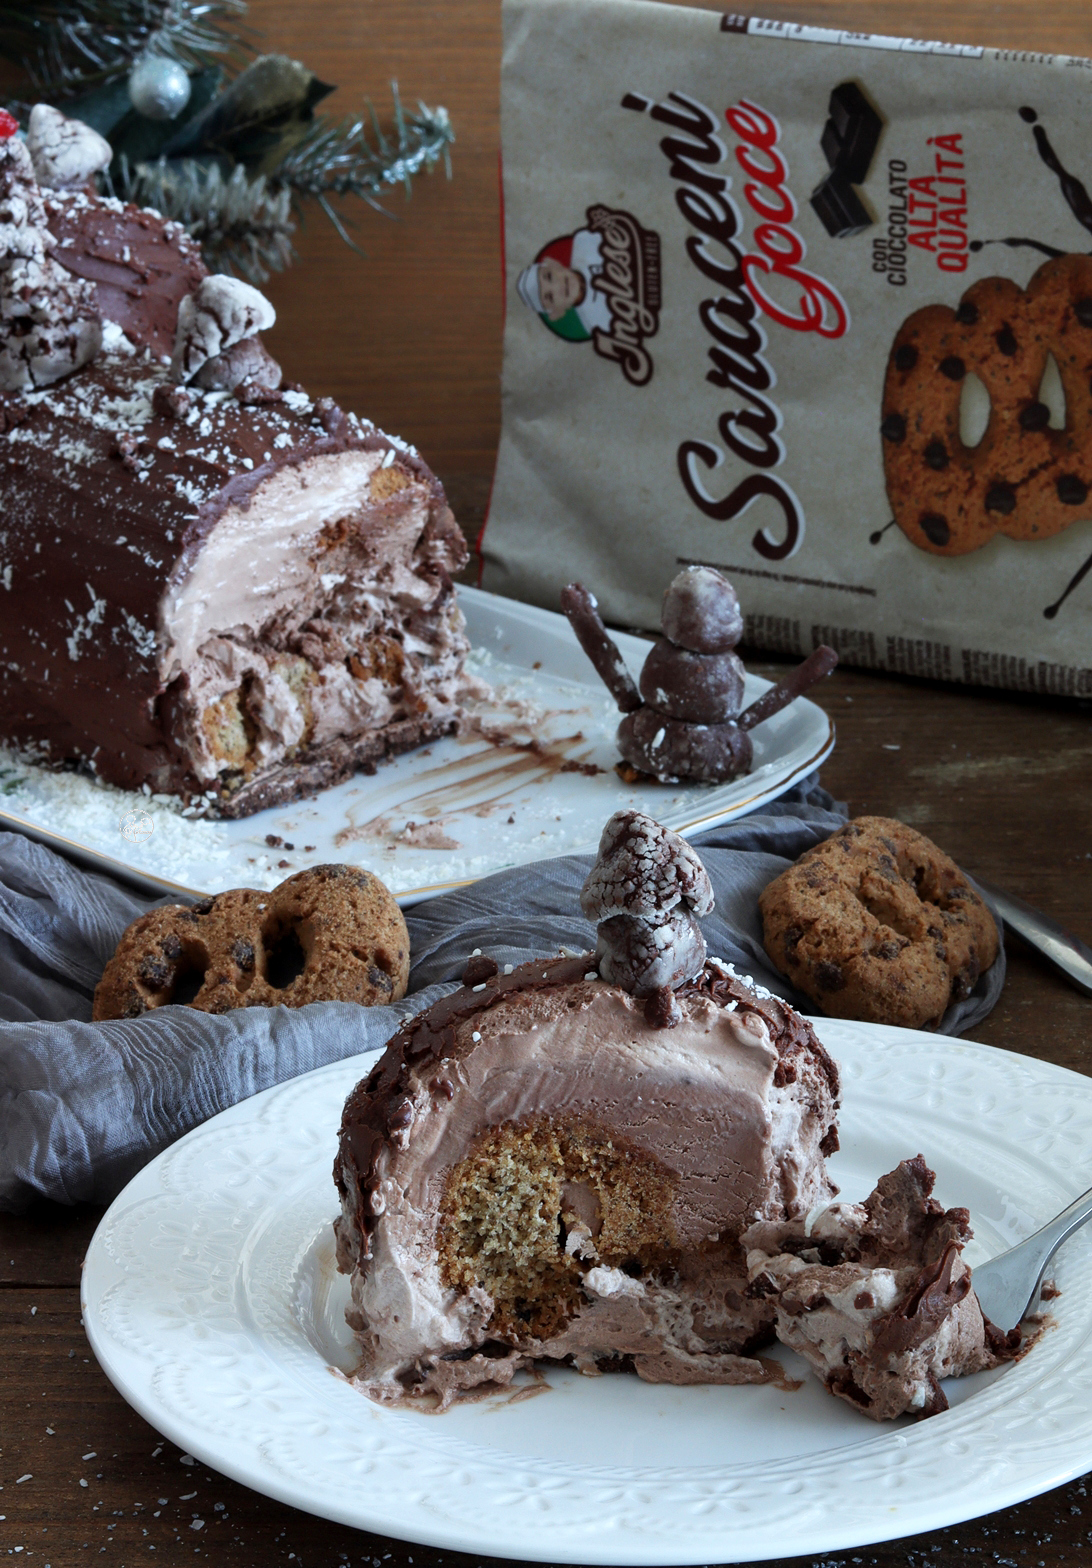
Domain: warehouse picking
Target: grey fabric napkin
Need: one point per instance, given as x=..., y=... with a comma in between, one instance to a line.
x=83, y=1106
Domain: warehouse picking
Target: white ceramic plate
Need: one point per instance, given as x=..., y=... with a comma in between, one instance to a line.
x=475, y=805
x=211, y=1299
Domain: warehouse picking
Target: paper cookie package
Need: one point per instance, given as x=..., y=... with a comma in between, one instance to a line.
x=814, y=308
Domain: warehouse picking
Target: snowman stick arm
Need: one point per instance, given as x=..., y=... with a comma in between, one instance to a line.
x=815, y=667
x=582, y=611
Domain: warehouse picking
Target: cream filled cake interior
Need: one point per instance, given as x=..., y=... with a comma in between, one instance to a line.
x=565, y=1179
x=318, y=610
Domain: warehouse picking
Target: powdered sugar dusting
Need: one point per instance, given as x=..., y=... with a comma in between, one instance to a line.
x=77, y=807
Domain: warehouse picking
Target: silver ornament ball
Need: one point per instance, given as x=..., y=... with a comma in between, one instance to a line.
x=159, y=88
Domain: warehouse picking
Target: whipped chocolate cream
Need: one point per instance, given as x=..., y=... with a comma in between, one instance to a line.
x=730, y=1109
x=877, y=1298
x=239, y=598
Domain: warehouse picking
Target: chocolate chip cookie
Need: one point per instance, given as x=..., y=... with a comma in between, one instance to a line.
x=1024, y=478
x=333, y=933
x=877, y=923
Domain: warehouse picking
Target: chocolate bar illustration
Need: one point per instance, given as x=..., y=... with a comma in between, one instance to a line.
x=851, y=134
x=839, y=208
x=849, y=141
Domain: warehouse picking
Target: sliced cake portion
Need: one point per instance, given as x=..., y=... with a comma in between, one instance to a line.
x=618, y=1161
x=543, y=1165
x=241, y=601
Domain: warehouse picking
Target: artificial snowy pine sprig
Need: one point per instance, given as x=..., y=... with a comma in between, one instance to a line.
x=242, y=225
x=71, y=46
x=338, y=159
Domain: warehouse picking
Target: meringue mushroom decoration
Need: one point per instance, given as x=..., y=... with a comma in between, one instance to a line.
x=683, y=721
x=646, y=892
x=66, y=154
x=49, y=320
x=217, y=347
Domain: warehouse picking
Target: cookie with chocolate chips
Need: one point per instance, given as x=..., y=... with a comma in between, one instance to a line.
x=1024, y=478
x=333, y=933
x=877, y=923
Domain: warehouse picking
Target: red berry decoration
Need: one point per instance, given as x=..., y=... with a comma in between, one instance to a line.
x=8, y=124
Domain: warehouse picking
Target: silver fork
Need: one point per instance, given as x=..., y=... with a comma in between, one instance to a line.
x=1008, y=1286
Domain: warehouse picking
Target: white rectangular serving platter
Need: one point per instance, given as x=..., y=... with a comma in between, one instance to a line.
x=446, y=814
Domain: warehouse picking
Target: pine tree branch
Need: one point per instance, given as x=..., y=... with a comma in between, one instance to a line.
x=244, y=222
x=68, y=47
x=242, y=225
x=337, y=158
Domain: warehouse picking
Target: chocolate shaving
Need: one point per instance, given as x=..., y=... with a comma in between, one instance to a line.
x=171, y=402
x=479, y=968
x=331, y=417
x=842, y=1383
x=1005, y=1346
x=254, y=391
x=661, y=1009
x=936, y=1400
x=124, y=449
x=934, y=1297
x=12, y=414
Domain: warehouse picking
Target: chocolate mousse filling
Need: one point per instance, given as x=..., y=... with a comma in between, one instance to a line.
x=877, y=1298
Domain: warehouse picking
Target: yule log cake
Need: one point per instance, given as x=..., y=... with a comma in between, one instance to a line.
x=211, y=584
x=559, y=1162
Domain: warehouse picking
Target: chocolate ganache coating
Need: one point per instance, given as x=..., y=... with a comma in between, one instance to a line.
x=141, y=266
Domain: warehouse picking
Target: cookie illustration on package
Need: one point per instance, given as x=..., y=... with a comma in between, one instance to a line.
x=1024, y=479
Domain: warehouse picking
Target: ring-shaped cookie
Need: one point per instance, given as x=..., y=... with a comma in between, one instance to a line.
x=877, y=923
x=1024, y=478
x=333, y=933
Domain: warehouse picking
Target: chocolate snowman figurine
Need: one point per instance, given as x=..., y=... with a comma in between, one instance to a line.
x=685, y=721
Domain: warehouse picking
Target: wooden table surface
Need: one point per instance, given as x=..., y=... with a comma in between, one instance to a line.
x=411, y=336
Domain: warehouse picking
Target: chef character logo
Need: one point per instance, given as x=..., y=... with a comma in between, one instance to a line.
x=136, y=826
x=600, y=285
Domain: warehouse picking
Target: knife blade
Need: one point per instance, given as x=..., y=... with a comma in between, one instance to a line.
x=1065, y=951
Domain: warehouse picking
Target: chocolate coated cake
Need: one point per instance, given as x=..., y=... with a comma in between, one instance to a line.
x=538, y=1168
x=618, y=1161
x=214, y=585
